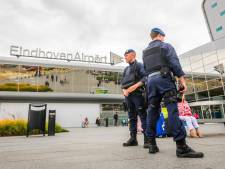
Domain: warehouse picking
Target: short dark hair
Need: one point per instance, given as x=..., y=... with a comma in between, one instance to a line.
x=154, y=34
x=129, y=51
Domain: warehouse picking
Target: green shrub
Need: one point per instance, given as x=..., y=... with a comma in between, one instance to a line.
x=11, y=84
x=28, y=88
x=99, y=78
x=25, y=87
x=44, y=89
x=58, y=128
x=8, y=88
x=19, y=127
x=101, y=91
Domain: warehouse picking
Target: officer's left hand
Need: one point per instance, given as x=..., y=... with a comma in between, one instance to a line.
x=131, y=89
x=125, y=92
x=134, y=87
x=183, y=86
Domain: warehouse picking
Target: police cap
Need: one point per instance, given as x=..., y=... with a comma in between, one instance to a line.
x=129, y=51
x=157, y=30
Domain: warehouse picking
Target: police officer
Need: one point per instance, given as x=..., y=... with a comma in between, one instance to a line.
x=162, y=64
x=132, y=82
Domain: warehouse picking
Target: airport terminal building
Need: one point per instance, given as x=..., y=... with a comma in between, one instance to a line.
x=74, y=89
x=204, y=65
x=87, y=89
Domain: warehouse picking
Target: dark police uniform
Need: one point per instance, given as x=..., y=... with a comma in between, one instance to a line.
x=133, y=74
x=161, y=85
x=160, y=62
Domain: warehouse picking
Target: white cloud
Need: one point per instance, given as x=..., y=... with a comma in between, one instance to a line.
x=99, y=26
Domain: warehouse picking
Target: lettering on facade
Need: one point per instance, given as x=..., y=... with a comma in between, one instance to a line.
x=19, y=51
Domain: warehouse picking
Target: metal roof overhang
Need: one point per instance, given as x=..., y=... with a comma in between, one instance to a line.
x=59, y=63
x=60, y=97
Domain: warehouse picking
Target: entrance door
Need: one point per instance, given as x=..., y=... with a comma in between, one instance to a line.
x=206, y=112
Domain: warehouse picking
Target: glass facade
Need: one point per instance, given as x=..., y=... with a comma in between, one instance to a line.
x=214, y=5
x=218, y=29
x=222, y=13
x=108, y=110
x=214, y=12
x=26, y=78
x=205, y=81
x=205, y=78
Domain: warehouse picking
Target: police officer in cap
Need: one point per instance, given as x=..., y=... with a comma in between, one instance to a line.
x=132, y=82
x=162, y=64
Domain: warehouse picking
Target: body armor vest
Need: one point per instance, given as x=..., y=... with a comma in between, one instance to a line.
x=154, y=59
x=130, y=77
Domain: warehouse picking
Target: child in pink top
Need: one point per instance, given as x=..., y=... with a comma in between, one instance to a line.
x=186, y=115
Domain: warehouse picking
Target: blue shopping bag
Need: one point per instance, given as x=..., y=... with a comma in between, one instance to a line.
x=160, y=128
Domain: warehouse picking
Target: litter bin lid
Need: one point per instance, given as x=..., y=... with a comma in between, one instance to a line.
x=38, y=104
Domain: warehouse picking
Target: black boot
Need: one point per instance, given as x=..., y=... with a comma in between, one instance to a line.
x=132, y=140
x=184, y=151
x=153, y=148
x=146, y=142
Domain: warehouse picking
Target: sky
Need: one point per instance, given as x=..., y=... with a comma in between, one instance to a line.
x=100, y=26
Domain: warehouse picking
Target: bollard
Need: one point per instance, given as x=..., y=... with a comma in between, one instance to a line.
x=51, y=122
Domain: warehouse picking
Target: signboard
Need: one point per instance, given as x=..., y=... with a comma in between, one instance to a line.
x=115, y=59
x=19, y=51
x=219, y=68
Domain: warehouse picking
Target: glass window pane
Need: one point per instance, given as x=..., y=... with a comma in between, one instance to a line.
x=9, y=77
x=185, y=63
x=202, y=95
x=216, y=92
x=200, y=86
x=221, y=55
x=28, y=78
x=197, y=110
x=190, y=97
x=108, y=110
x=197, y=66
x=195, y=58
x=119, y=77
x=91, y=81
x=214, y=83
x=83, y=81
x=217, y=111
x=58, y=79
x=190, y=86
x=109, y=82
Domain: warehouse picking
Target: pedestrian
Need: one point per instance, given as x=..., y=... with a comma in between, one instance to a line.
x=106, y=122
x=46, y=83
x=161, y=63
x=115, y=117
x=86, y=122
x=52, y=78
x=98, y=122
x=132, y=82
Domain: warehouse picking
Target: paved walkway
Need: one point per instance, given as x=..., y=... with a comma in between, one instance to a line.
x=100, y=148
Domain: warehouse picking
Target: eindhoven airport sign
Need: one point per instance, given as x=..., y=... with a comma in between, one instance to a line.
x=19, y=51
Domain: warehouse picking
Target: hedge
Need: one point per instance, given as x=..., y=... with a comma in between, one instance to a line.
x=18, y=127
x=24, y=87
